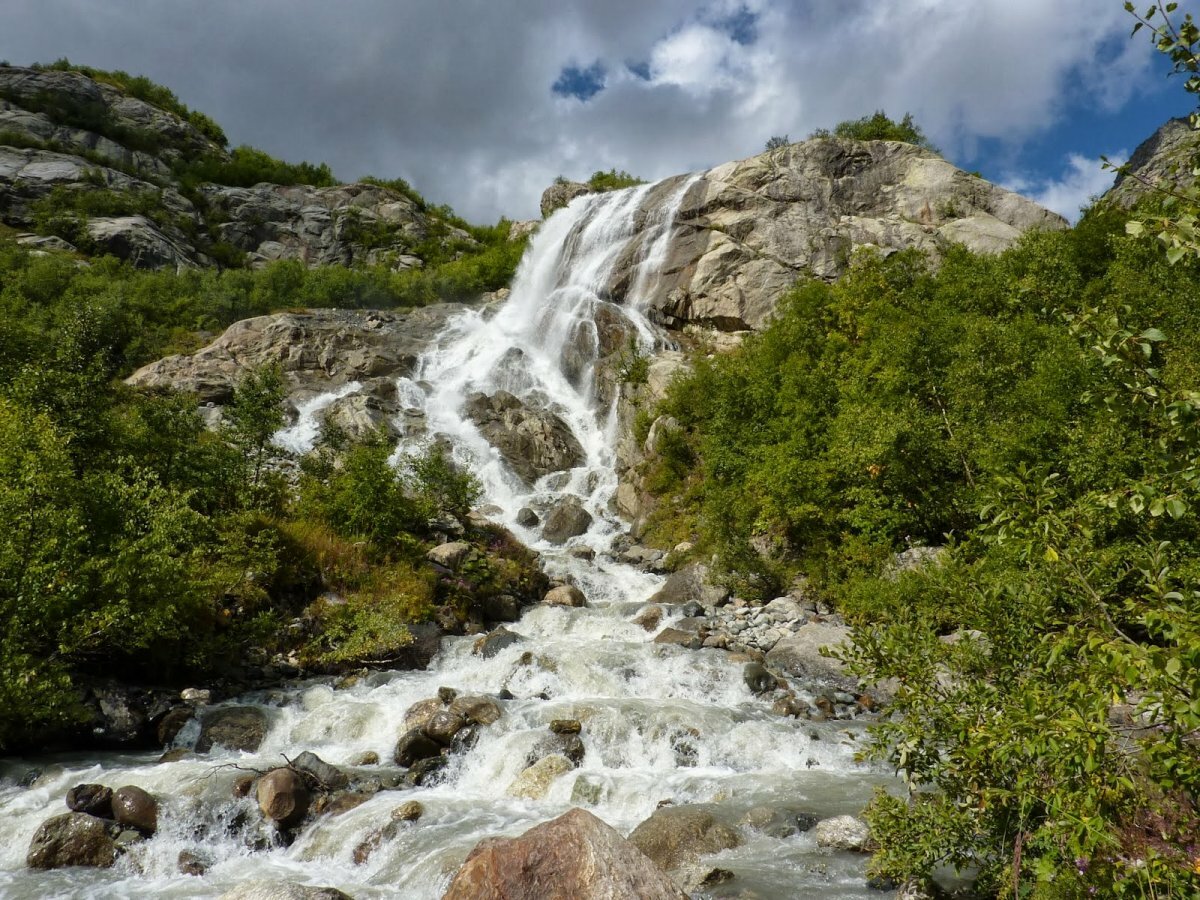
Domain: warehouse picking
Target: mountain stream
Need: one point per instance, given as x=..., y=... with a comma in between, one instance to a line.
x=659, y=722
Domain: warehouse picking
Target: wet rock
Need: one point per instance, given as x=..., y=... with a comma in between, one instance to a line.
x=175, y=755
x=527, y=518
x=72, y=839
x=494, y=641
x=136, y=808
x=408, y=811
x=196, y=696
x=477, y=709
x=444, y=725
x=569, y=745
x=339, y=802
x=447, y=694
x=366, y=758
x=283, y=797
x=534, y=782
x=122, y=715
x=422, y=712
x=675, y=836
x=649, y=618
x=584, y=553
x=450, y=555
x=234, y=728
x=565, y=595
x=565, y=520
x=282, y=890
x=415, y=745
x=566, y=726
x=93, y=799
x=328, y=777
x=757, y=678
x=691, y=584
x=189, y=863
x=534, y=442
x=172, y=723
x=465, y=739
x=576, y=856
x=243, y=785
x=687, y=639
x=502, y=608
x=778, y=823
x=589, y=789
x=426, y=772
x=843, y=833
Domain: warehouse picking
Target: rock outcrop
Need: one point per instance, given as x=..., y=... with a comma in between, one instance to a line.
x=534, y=442
x=746, y=230
x=68, y=132
x=560, y=194
x=573, y=857
x=1162, y=159
x=318, y=350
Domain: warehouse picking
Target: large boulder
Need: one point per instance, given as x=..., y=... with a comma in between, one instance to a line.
x=565, y=520
x=691, y=583
x=234, y=728
x=72, y=839
x=283, y=797
x=93, y=799
x=534, y=442
x=676, y=836
x=318, y=350
x=573, y=857
x=142, y=242
x=565, y=595
x=799, y=655
x=843, y=833
x=136, y=808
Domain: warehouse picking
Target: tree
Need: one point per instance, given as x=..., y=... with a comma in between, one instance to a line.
x=255, y=415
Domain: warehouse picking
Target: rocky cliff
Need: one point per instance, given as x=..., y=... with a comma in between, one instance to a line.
x=1166, y=159
x=103, y=172
x=748, y=229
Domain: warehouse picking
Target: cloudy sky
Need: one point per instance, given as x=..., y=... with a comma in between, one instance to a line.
x=481, y=103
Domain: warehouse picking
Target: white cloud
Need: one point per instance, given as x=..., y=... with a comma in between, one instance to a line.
x=1081, y=181
x=456, y=97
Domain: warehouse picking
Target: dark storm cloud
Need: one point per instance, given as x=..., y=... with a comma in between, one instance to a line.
x=457, y=96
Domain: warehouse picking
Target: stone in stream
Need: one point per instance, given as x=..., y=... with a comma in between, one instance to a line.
x=757, y=678
x=443, y=726
x=535, y=781
x=689, y=640
x=477, y=709
x=575, y=856
x=799, y=655
x=135, y=807
x=415, y=745
x=328, y=777
x=410, y=811
x=534, y=442
x=422, y=712
x=426, y=772
x=566, y=726
x=234, y=727
x=527, y=518
x=677, y=836
x=494, y=641
x=691, y=583
x=283, y=797
x=93, y=799
x=366, y=758
x=649, y=618
x=843, y=833
x=172, y=723
x=568, y=745
x=189, y=863
x=565, y=520
x=73, y=839
x=565, y=595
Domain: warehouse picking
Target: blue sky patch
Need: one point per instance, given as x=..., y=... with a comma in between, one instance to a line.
x=582, y=84
x=742, y=26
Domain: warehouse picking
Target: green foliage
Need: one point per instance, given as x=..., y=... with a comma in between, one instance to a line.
x=612, y=180
x=248, y=166
x=878, y=127
x=253, y=418
x=443, y=487
x=777, y=142
x=633, y=364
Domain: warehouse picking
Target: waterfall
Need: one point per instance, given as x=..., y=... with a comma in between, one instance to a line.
x=659, y=722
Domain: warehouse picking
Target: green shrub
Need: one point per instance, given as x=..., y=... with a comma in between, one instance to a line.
x=878, y=127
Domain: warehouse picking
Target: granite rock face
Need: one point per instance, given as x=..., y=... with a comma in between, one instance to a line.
x=1161, y=159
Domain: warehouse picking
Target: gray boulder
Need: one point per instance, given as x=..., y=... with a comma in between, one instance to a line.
x=565, y=595
x=73, y=839
x=282, y=890
x=534, y=442
x=799, y=655
x=565, y=520
x=843, y=833
x=328, y=777
x=676, y=836
x=560, y=194
x=234, y=728
x=691, y=584
x=1162, y=160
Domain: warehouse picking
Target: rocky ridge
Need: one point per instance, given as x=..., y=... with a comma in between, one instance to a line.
x=64, y=135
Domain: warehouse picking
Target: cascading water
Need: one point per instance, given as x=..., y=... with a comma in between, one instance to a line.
x=660, y=722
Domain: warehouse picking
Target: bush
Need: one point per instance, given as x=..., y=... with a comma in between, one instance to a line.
x=612, y=180
x=879, y=127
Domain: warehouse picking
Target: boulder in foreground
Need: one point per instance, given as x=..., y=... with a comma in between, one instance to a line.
x=573, y=857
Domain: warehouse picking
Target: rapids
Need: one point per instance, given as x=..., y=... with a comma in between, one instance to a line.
x=659, y=722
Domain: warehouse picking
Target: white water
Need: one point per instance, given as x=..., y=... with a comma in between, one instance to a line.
x=640, y=703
